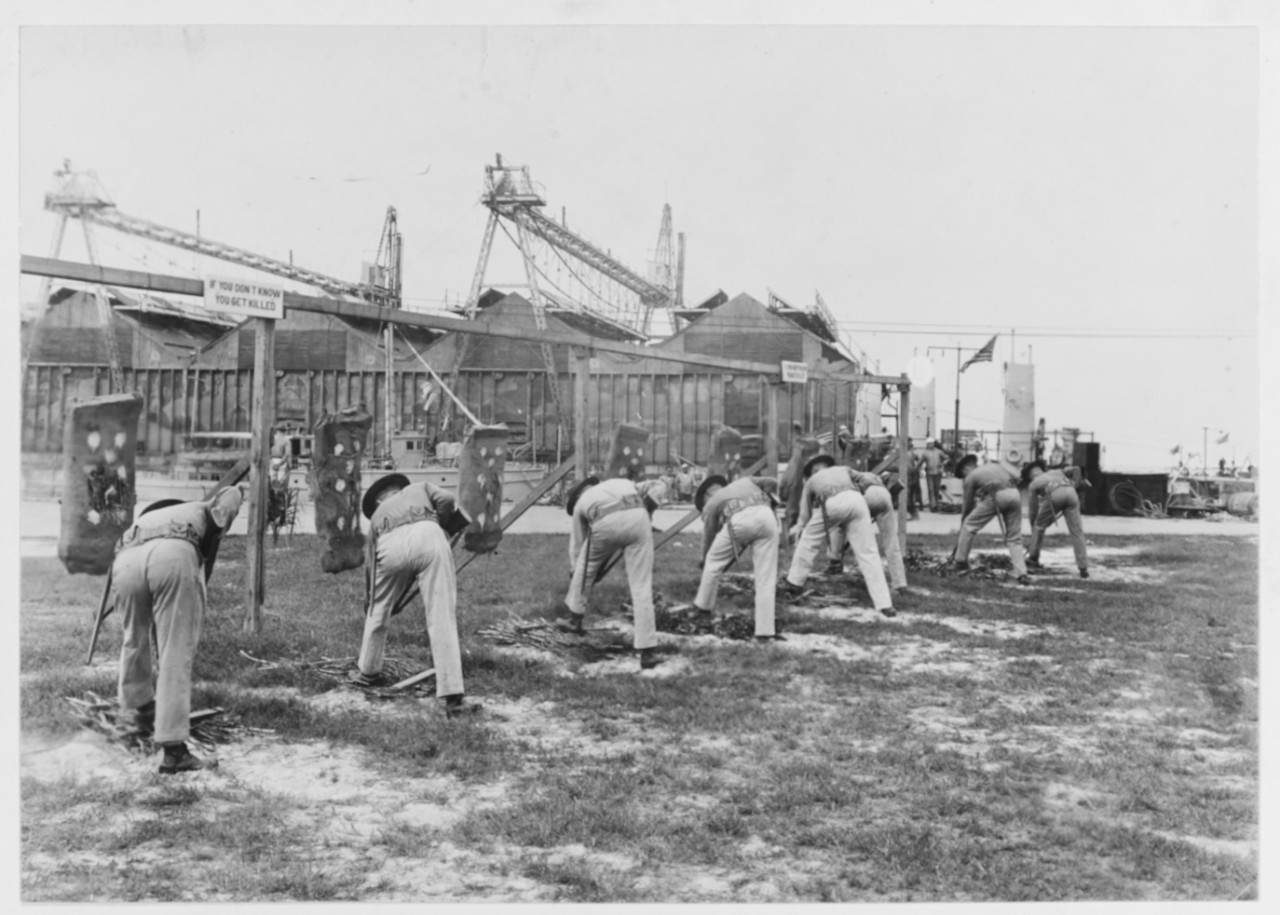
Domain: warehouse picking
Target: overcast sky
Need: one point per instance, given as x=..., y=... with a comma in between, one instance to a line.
x=936, y=184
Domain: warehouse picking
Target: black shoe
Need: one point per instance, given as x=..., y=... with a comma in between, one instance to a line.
x=835, y=567
x=770, y=638
x=364, y=680
x=1084, y=573
x=889, y=612
x=1034, y=564
x=649, y=659
x=902, y=590
x=571, y=623
x=144, y=720
x=787, y=591
x=177, y=758
x=455, y=707
x=960, y=565
x=1023, y=579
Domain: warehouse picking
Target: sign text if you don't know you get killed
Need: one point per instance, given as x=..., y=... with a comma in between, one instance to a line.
x=248, y=298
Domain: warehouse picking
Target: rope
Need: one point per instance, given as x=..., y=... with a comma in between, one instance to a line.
x=1127, y=499
x=463, y=407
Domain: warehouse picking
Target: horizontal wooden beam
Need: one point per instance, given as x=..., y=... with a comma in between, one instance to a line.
x=177, y=285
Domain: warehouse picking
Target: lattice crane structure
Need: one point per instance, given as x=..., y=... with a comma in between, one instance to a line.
x=80, y=195
x=601, y=285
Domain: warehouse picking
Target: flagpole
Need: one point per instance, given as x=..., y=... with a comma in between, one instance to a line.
x=1204, y=453
x=955, y=438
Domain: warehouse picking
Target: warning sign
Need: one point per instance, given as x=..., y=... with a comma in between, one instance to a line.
x=795, y=372
x=244, y=297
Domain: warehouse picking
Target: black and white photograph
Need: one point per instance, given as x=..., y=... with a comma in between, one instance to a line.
x=640, y=453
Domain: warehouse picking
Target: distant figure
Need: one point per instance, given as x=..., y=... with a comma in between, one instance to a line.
x=1222, y=467
x=684, y=484
x=843, y=439
x=934, y=458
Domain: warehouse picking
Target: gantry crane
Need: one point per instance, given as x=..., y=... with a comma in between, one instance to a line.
x=511, y=195
x=85, y=200
x=80, y=195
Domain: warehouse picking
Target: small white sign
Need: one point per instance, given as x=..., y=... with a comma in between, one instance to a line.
x=244, y=297
x=795, y=372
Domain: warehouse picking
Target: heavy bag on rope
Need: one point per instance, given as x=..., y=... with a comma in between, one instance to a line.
x=99, y=490
x=484, y=455
x=753, y=449
x=793, y=480
x=335, y=485
x=627, y=454
x=726, y=453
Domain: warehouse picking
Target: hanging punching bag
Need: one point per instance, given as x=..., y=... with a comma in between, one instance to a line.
x=627, y=454
x=335, y=485
x=484, y=455
x=99, y=442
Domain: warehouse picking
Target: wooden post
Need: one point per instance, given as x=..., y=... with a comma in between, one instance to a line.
x=835, y=421
x=904, y=459
x=772, y=432
x=264, y=408
x=581, y=370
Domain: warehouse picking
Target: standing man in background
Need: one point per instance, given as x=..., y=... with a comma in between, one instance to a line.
x=684, y=483
x=934, y=458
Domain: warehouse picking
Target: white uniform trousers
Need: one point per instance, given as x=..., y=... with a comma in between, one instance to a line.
x=756, y=527
x=627, y=530
x=848, y=511
x=1065, y=501
x=1007, y=503
x=885, y=515
x=160, y=582
x=418, y=551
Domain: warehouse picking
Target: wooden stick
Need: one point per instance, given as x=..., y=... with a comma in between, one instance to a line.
x=416, y=678
x=103, y=610
x=440, y=381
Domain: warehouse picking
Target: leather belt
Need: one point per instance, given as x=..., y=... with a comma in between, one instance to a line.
x=174, y=530
x=622, y=504
x=733, y=506
x=828, y=491
x=415, y=514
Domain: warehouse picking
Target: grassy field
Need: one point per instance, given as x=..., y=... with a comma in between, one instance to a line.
x=1076, y=740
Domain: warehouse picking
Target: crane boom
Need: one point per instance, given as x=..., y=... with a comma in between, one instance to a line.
x=106, y=214
x=556, y=234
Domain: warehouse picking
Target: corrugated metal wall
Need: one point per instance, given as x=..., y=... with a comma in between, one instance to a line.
x=682, y=410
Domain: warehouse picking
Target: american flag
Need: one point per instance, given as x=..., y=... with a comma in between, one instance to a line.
x=983, y=355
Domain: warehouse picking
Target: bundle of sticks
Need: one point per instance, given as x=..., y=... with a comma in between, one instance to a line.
x=209, y=727
x=399, y=677
x=684, y=619
x=986, y=566
x=595, y=645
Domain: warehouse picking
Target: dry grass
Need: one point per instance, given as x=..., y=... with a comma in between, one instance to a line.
x=1071, y=741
